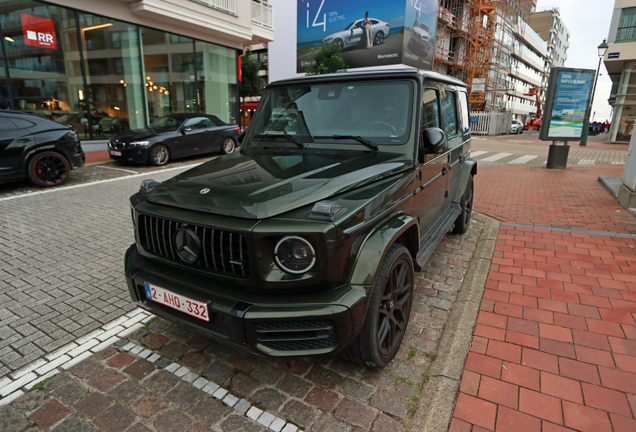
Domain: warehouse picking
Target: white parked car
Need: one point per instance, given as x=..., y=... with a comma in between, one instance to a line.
x=420, y=38
x=353, y=34
x=516, y=127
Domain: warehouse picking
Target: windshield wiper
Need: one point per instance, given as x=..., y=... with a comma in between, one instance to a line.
x=370, y=144
x=294, y=140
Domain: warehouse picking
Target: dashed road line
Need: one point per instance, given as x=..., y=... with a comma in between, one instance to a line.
x=496, y=157
x=478, y=153
x=523, y=159
x=586, y=162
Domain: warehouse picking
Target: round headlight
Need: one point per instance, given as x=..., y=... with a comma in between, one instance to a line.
x=294, y=255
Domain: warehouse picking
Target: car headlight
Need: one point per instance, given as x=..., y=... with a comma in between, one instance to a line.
x=294, y=255
x=139, y=143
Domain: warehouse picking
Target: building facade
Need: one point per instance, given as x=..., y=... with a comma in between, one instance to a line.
x=620, y=63
x=551, y=28
x=106, y=67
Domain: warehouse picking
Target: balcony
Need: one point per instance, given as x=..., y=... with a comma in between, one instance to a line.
x=262, y=19
x=228, y=6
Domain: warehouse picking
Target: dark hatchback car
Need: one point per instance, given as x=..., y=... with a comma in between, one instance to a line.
x=36, y=148
x=172, y=137
x=306, y=241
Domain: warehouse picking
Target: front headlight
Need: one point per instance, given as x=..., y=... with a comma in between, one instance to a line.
x=139, y=143
x=294, y=255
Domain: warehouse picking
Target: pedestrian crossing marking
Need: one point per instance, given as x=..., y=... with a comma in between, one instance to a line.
x=478, y=153
x=618, y=163
x=586, y=162
x=496, y=157
x=522, y=159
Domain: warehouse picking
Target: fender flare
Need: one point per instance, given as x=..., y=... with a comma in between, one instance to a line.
x=469, y=166
x=377, y=244
x=47, y=147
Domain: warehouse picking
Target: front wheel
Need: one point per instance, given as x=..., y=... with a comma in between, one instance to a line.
x=385, y=323
x=159, y=155
x=379, y=38
x=47, y=169
x=466, y=203
x=228, y=146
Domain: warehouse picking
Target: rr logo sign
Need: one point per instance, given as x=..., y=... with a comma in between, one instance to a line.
x=38, y=32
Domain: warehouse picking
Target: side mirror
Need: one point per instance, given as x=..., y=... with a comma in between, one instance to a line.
x=186, y=129
x=433, y=140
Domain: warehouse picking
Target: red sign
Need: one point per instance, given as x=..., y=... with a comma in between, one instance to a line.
x=38, y=32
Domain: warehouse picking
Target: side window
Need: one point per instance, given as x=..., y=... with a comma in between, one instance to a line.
x=199, y=123
x=6, y=124
x=374, y=22
x=449, y=108
x=430, y=109
x=463, y=104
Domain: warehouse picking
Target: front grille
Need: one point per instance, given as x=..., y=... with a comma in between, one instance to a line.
x=222, y=252
x=117, y=145
x=297, y=335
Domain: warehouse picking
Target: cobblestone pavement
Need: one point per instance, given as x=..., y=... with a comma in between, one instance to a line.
x=61, y=263
x=170, y=379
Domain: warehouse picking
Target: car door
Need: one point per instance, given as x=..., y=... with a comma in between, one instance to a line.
x=356, y=33
x=13, y=141
x=192, y=137
x=430, y=180
x=457, y=131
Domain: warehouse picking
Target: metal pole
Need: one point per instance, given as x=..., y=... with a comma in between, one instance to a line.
x=586, y=122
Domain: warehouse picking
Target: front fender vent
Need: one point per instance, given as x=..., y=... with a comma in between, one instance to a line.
x=297, y=335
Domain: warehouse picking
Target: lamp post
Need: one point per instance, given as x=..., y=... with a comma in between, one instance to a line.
x=602, y=49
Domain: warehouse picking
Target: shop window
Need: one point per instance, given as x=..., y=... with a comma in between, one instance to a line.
x=169, y=73
x=217, y=81
x=113, y=76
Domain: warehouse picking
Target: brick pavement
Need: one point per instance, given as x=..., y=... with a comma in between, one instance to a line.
x=173, y=379
x=571, y=198
x=554, y=348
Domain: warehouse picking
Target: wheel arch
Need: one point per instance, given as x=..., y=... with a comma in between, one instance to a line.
x=469, y=167
x=33, y=152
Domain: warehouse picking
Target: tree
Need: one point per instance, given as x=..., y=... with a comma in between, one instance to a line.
x=250, y=84
x=327, y=60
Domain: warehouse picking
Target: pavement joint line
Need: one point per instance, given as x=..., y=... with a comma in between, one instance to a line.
x=571, y=230
x=98, y=182
x=117, y=169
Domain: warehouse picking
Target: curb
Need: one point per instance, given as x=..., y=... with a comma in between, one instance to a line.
x=438, y=400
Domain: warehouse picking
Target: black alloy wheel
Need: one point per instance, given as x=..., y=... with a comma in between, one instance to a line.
x=228, y=146
x=48, y=169
x=388, y=314
x=466, y=203
x=379, y=38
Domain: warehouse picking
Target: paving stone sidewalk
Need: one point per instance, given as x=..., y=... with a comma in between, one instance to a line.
x=166, y=378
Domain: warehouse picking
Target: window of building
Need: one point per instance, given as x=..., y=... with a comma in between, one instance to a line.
x=627, y=25
x=217, y=80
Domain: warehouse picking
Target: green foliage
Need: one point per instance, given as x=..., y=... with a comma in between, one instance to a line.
x=40, y=385
x=150, y=321
x=250, y=81
x=327, y=60
x=432, y=356
x=412, y=353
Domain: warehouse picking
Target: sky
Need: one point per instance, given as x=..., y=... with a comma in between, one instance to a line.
x=588, y=22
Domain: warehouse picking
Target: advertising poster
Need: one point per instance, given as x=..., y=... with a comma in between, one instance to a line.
x=368, y=33
x=567, y=103
x=38, y=32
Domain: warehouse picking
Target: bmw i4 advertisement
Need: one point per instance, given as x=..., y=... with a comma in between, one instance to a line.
x=366, y=33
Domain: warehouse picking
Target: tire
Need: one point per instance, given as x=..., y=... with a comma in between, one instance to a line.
x=379, y=38
x=48, y=169
x=159, y=155
x=388, y=313
x=520, y=131
x=339, y=45
x=228, y=146
x=466, y=203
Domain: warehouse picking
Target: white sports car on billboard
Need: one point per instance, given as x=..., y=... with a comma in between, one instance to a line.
x=353, y=34
x=420, y=38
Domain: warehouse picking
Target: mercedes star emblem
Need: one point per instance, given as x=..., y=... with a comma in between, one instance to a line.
x=204, y=191
x=187, y=244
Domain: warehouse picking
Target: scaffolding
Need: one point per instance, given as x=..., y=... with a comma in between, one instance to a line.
x=474, y=41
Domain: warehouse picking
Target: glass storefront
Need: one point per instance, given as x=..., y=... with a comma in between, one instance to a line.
x=104, y=76
x=622, y=124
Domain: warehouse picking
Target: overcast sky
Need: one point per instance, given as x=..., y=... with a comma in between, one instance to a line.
x=588, y=22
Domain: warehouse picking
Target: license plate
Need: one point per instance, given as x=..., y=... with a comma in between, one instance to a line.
x=115, y=153
x=176, y=301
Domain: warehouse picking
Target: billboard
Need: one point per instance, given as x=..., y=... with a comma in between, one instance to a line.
x=567, y=104
x=367, y=33
x=38, y=32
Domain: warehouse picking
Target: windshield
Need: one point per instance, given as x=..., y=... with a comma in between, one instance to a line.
x=166, y=124
x=376, y=111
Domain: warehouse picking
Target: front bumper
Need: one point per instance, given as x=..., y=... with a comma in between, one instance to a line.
x=138, y=155
x=263, y=324
x=78, y=160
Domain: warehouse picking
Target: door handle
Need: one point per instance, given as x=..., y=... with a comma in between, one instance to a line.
x=444, y=170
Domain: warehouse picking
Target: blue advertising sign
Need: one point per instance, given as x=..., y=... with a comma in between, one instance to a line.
x=368, y=33
x=567, y=103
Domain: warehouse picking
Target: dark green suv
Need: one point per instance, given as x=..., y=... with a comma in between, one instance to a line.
x=305, y=241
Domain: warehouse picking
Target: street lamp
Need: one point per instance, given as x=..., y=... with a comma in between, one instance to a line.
x=602, y=49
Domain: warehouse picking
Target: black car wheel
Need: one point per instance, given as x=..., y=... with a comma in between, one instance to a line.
x=159, y=155
x=466, y=203
x=339, y=44
x=228, y=146
x=47, y=169
x=379, y=38
x=389, y=310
